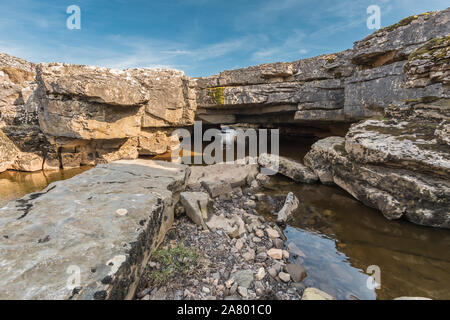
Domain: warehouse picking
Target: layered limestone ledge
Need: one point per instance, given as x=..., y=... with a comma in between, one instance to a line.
x=406, y=190
x=104, y=222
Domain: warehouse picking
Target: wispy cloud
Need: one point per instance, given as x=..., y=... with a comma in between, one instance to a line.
x=199, y=36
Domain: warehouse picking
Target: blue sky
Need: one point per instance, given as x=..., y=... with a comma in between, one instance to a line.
x=201, y=37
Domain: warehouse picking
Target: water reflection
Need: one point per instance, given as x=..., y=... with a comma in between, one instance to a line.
x=15, y=184
x=341, y=238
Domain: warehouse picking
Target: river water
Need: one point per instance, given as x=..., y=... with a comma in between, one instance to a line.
x=339, y=237
x=14, y=184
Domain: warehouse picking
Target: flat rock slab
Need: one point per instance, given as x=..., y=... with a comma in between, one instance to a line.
x=237, y=175
x=98, y=227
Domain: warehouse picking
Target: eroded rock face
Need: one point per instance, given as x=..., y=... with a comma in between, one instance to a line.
x=172, y=100
x=400, y=162
x=17, y=100
x=287, y=167
x=398, y=165
x=8, y=152
x=389, y=66
x=96, y=115
x=121, y=211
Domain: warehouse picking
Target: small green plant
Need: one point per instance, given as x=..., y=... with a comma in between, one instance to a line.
x=175, y=261
x=218, y=95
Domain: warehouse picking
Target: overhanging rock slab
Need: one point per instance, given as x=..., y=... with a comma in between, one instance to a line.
x=103, y=223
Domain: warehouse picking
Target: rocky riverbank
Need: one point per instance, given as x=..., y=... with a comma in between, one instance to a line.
x=231, y=251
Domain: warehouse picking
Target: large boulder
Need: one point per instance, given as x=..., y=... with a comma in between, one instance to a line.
x=196, y=205
x=287, y=167
x=89, y=103
x=237, y=175
x=290, y=205
x=107, y=222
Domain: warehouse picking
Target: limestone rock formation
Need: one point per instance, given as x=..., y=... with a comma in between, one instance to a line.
x=346, y=86
x=397, y=165
x=107, y=222
x=96, y=115
x=237, y=175
x=287, y=167
x=17, y=100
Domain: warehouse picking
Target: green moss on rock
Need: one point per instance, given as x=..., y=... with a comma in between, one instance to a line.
x=218, y=95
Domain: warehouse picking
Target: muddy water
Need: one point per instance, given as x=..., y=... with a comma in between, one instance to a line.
x=341, y=238
x=14, y=184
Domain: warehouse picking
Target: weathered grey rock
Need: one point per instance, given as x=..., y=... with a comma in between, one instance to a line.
x=442, y=132
x=243, y=278
x=287, y=167
x=318, y=159
x=394, y=165
x=157, y=141
x=217, y=188
x=196, y=205
x=428, y=64
x=96, y=84
x=315, y=294
x=369, y=92
x=107, y=222
x=172, y=97
x=17, y=99
x=290, y=205
x=398, y=143
x=397, y=41
x=285, y=277
x=275, y=253
x=346, y=86
x=296, y=271
x=234, y=227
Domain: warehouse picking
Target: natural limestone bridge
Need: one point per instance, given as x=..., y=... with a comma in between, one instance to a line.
x=393, y=88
